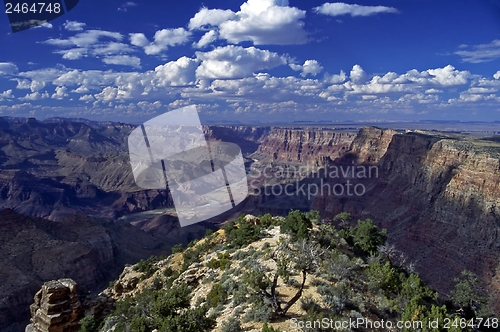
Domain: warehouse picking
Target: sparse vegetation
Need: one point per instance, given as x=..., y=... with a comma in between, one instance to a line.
x=311, y=268
x=267, y=328
x=89, y=324
x=147, y=266
x=216, y=296
x=466, y=294
x=165, y=310
x=298, y=224
x=231, y=325
x=241, y=232
x=177, y=248
x=223, y=261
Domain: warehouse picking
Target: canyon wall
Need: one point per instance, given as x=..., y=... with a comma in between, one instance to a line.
x=59, y=168
x=314, y=145
x=437, y=195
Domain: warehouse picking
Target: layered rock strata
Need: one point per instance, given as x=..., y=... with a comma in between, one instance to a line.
x=56, y=308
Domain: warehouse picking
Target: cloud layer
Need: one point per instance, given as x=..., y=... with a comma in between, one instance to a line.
x=218, y=60
x=480, y=53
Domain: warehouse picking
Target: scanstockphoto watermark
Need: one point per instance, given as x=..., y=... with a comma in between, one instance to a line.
x=357, y=323
x=310, y=181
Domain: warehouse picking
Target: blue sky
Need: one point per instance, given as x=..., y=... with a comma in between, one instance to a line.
x=259, y=60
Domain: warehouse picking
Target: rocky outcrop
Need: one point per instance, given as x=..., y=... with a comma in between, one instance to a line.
x=314, y=145
x=371, y=144
x=127, y=281
x=56, y=308
x=196, y=272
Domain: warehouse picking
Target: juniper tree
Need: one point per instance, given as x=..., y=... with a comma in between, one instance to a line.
x=301, y=257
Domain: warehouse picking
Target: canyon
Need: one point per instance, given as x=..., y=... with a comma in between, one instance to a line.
x=66, y=184
x=437, y=194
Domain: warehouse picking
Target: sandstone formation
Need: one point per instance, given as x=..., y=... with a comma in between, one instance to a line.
x=57, y=308
x=315, y=145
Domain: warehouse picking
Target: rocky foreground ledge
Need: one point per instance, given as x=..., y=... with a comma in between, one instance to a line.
x=56, y=308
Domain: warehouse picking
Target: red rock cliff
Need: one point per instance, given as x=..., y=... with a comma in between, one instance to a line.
x=437, y=196
x=304, y=145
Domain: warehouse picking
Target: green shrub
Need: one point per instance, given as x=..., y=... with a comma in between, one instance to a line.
x=367, y=236
x=229, y=227
x=467, y=292
x=240, y=293
x=241, y=233
x=147, y=267
x=383, y=276
x=89, y=324
x=192, y=255
x=213, y=263
x=166, y=303
x=168, y=272
x=223, y=261
x=140, y=324
x=307, y=303
x=292, y=282
x=267, y=328
x=216, y=296
x=177, y=248
x=297, y=224
x=231, y=325
x=256, y=279
x=266, y=220
x=261, y=311
x=239, y=255
x=337, y=297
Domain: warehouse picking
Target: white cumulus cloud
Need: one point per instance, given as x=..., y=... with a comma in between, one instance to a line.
x=123, y=60
x=90, y=37
x=161, y=40
x=259, y=21
x=357, y=74
x=480, y=53
x=138, y=39
x=208, y=38
x=340, y=8
x=73, y=25
x=35, y=96
x=60, y=93
x=8, y=68
x=7, y=95
x=73, y=53
x=310, y=67
x=235, y=61
x=211, y=17
x=176, y=73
